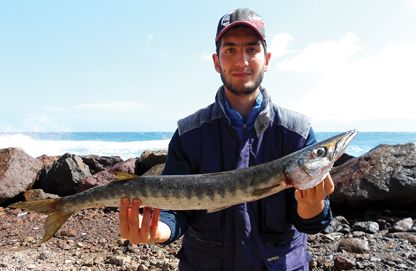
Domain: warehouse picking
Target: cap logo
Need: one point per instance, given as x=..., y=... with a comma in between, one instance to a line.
x=254, y=18
x=225, y=20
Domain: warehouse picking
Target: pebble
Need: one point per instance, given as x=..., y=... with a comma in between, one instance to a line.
x=68, y=233
x=43, y=256
x=354, y=245
x=31, y=266
x=142, y=267
x=118, y=260
x=30, y=239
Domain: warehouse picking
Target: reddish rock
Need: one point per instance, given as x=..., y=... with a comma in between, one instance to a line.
x=128, y=166
x=343, y=263
x=18, y=172
x=385, y=176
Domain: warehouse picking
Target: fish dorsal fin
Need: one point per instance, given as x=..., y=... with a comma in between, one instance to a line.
x=123, y=176
x=218, y=209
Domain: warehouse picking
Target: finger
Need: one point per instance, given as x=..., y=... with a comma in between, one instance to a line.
x=123, y=217
x=154, y=223
x=134, y=221
x=145, y=226
x=329, y=185
x=299, y=195
x=320, y=191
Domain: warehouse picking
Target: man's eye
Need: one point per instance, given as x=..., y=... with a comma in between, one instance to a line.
x=253, y=50
x=229, y=51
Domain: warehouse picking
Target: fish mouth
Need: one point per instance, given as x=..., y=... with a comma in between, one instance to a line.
x=343, y=143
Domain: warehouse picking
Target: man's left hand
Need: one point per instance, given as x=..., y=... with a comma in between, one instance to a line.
x=311, y=201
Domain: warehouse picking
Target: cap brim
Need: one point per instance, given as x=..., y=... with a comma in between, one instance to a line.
x=234, y=24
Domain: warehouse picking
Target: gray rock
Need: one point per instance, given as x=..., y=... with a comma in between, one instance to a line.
x=404, y=224
x=37, y=194
x=65, y=175
x=155, y=170
x=366, y=226
x=18, y=172
x=98, y=163
x=354, y=245
x=338, y=224
x=148, y=159
x=384, y=176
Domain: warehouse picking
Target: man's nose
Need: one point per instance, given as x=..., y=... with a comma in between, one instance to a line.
x=242, y=59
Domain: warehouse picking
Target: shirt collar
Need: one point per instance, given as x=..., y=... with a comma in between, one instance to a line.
x=237, y=120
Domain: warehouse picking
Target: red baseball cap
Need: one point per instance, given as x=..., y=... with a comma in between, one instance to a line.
x=241, y=16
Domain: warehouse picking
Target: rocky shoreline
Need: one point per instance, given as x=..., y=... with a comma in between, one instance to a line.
x=374, y=226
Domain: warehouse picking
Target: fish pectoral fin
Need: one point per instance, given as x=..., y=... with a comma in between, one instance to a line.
x=267, y=191
x=213, y=210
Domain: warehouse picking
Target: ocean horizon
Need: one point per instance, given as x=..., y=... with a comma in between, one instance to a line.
x=132, y=144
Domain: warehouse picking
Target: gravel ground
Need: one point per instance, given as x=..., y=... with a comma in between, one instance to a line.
x=90, y=241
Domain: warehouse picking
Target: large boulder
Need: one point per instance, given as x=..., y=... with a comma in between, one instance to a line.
x=47, y=162
x=106, y=176
x=383, y=177
x=65, y=175
x=18, y=171
x=148, y=159
x=98, y=163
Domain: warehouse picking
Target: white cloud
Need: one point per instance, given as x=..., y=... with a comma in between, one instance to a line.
x=377, y=87
x=324, y=56
x=149, y=38
x=113, y=107
x=204, y=56
x=412, y=3
x=56, y=109
x=279, y=44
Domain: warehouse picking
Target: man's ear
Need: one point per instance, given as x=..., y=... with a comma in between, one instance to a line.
x=216, y=60
x=268, y=57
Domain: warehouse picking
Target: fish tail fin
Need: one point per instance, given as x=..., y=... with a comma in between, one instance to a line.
x=53, y=223
x=56, y=217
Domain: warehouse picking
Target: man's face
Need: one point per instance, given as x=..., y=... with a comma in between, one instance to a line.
x=241, y=61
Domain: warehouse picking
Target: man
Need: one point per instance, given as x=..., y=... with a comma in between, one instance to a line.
x=242, y=128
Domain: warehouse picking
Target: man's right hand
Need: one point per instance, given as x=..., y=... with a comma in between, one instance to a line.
x=139, y=228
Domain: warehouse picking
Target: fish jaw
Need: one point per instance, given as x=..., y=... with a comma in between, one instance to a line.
x=313, y=163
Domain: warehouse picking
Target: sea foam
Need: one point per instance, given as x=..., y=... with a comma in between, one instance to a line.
x=36, y=147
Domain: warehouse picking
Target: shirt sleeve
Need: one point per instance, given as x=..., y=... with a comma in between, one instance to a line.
x=322, y=220
x=176, y=163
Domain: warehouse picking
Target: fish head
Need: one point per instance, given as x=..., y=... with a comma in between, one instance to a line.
x=310, y=165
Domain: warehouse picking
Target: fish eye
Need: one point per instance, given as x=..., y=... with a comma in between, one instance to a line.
x=320, y=152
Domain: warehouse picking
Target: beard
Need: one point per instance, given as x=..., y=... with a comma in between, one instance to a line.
x=244, y=90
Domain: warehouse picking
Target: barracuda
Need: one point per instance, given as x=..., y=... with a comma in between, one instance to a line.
x=212, y=192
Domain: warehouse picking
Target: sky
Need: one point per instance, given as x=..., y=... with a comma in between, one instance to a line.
x=116, y=66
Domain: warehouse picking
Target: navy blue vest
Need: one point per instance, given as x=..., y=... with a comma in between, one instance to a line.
x=258, y=235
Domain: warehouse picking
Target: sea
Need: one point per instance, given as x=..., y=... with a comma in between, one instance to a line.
x=132, y=144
